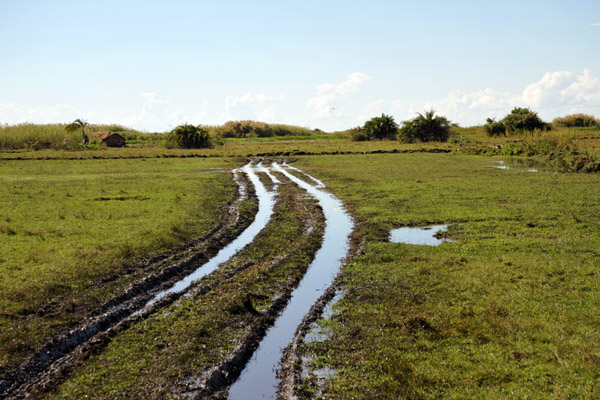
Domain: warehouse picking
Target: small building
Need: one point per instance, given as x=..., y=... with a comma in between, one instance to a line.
x=111, y=139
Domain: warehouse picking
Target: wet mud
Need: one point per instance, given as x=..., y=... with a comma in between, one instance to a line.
x=49, y=364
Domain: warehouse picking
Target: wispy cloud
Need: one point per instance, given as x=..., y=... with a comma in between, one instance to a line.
x=324, y=104
x=154, y=114
x=556, y=93
x=596, y=24
x=257, y=106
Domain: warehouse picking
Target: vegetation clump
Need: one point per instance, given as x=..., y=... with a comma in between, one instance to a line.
x=188, y=136
x=76, y=125
x=426, y=128
x=576, y=121
x=382, y=128
x=248, y=128
x=524, y=119
x=495, y=128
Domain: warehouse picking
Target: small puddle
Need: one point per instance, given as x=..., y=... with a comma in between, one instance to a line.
x=524, y=165
x=266, y=201
x=420, y=236
x=258, y=379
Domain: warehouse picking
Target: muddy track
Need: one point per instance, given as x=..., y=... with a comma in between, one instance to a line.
x=54, y=362
x=290, y=386
x=50, y=363
x=214, y=382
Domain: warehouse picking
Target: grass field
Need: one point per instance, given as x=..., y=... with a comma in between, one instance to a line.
x=507, y=310
x=65, y=225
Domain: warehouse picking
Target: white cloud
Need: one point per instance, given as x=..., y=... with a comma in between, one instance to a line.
x=12, y=113
x=154, y=114
x=555, y=94
x=325, y=103
x=252, y=106
x=597, y=24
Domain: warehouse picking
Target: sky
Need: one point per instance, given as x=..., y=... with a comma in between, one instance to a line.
x=326, y=64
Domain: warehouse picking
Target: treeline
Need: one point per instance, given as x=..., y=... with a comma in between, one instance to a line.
x=429, y=127
x=58, y=136
x=526, y=120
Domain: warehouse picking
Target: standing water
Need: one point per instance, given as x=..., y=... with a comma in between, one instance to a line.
x=258, y=379
x=266, y=201
x=421, y=236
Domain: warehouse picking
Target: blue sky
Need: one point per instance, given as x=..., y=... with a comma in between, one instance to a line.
x=323, y=64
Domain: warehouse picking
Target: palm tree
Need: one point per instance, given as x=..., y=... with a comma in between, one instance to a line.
x=78, y=124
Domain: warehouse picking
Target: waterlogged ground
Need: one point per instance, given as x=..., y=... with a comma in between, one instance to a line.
x=505, y=310
x=68, y=225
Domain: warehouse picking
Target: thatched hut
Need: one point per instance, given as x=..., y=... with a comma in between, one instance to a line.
x=111, y=139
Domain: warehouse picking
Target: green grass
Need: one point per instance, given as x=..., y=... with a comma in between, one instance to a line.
x=187, y=338
x=507, y=310
x=67, y=224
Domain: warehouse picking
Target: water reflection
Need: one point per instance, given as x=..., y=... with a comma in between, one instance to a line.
x=420, y=235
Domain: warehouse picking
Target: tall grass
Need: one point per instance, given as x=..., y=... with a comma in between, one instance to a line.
x=36, y=137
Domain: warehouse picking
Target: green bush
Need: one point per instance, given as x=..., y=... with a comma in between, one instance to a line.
x=188, y=136
x=383, y=127
x=358, y=134
x=575, y=121
x=494, y=128
x=248, y=128
x=426, y=128
x=523, y=119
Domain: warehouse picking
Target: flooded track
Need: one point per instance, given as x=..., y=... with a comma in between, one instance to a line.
x=266, y=201
x=258, y=379
x=140, y=299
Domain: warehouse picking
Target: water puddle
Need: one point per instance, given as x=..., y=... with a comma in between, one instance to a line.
x=266, y=201
x=525, y=165
x=258, y=379
x=420, y=236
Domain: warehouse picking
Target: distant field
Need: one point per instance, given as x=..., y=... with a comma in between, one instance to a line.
x=66, y=224
x=507, y=310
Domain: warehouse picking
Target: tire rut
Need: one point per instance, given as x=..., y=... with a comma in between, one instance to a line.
x=52, y=361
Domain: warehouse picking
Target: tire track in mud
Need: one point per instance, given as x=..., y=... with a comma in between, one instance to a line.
x=53, y=360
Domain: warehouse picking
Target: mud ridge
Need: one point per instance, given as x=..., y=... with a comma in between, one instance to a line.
x=54, y=358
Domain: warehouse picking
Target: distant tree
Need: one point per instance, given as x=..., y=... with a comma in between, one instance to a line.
x=75, y=125
x=426, y=128
x=189, y=136
x=494, y=128
x=523, y=119
x=383, y=127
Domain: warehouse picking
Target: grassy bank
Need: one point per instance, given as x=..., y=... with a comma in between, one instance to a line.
x=507, y=310
x=65, y=225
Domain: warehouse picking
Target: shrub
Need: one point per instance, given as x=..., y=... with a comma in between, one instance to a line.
x=426, y=128
x=575, y=120
x=523, y=119
x=358, y=134
x=248, y=128
x=494, y=128
x=383, y=127
x=188, y=136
